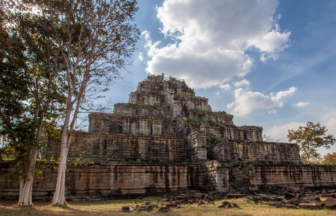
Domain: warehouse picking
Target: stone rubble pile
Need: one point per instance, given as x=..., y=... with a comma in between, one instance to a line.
x=287, y=197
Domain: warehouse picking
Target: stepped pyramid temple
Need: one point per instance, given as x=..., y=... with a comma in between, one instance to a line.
x=165, y=139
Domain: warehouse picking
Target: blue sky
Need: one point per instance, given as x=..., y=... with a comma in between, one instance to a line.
x=270, y=63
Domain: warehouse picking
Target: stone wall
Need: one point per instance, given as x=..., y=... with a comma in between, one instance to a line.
x=140, y=111
x=216, y=176
x=200, y=103
x=290, y=175
x=105, y=147
x=133, y=126
x=216, y=117
x=197, y=145
x=232, y=132
x=265, y=152
x=151, y=98
x=110, y=181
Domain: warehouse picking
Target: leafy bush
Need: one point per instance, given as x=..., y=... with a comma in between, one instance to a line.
x=210, y=121
x=250, y=167
x=234, y=161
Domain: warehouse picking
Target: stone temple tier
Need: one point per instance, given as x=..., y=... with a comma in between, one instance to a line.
x=166, y=138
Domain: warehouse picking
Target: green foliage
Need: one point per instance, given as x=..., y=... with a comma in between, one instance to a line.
x=250, y=167
x=141, y=84
x=31, y=95
x=210, y=121
x=234, y=161
x=204, y=146
x=309, y=138
x=149, y=105
x=156, y=134
x=313, y=160
x=195, y=129
x=177, y=96
x=329, y=159
x=202, y=112
x=208, y=138
x=191, y=120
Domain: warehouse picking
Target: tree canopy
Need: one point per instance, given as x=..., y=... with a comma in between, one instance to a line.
x=329, y=159
x=309, y=138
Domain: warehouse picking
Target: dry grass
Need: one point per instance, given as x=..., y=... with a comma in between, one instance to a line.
x=113, y=207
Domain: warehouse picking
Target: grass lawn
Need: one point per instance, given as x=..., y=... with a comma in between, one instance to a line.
x=113, y=207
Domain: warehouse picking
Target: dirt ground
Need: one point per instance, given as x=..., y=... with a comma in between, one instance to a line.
x=113, y=207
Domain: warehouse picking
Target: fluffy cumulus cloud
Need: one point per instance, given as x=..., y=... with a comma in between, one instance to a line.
x=246, y=101
x=241, y=83
x=301, y=104
x=211, y=38
x=225, y=87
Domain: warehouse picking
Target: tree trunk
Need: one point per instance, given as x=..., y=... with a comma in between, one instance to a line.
x=59, y=196
x=26, y=185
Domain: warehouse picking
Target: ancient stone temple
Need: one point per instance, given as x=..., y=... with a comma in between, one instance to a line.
x=166, y=138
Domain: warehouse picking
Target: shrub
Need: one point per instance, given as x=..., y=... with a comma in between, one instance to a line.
x=234, y=161
x=250, y=167
x=210, y=121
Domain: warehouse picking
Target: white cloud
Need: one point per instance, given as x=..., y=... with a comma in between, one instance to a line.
x=301, y=104
x=280, y=132
x=329, y=120
x=225, y=87
x=140, y=56
x=241, y=83
x=265, y=56
x=218, y=93
x=211, y=38
x=246, y=101
x=272, y=111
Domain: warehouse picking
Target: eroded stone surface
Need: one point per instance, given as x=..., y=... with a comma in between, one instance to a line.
x=111, y=181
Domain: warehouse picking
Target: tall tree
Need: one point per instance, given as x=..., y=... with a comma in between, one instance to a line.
x=95, y=39
x=329, y=159
x=40, y=99
x=309, y=138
